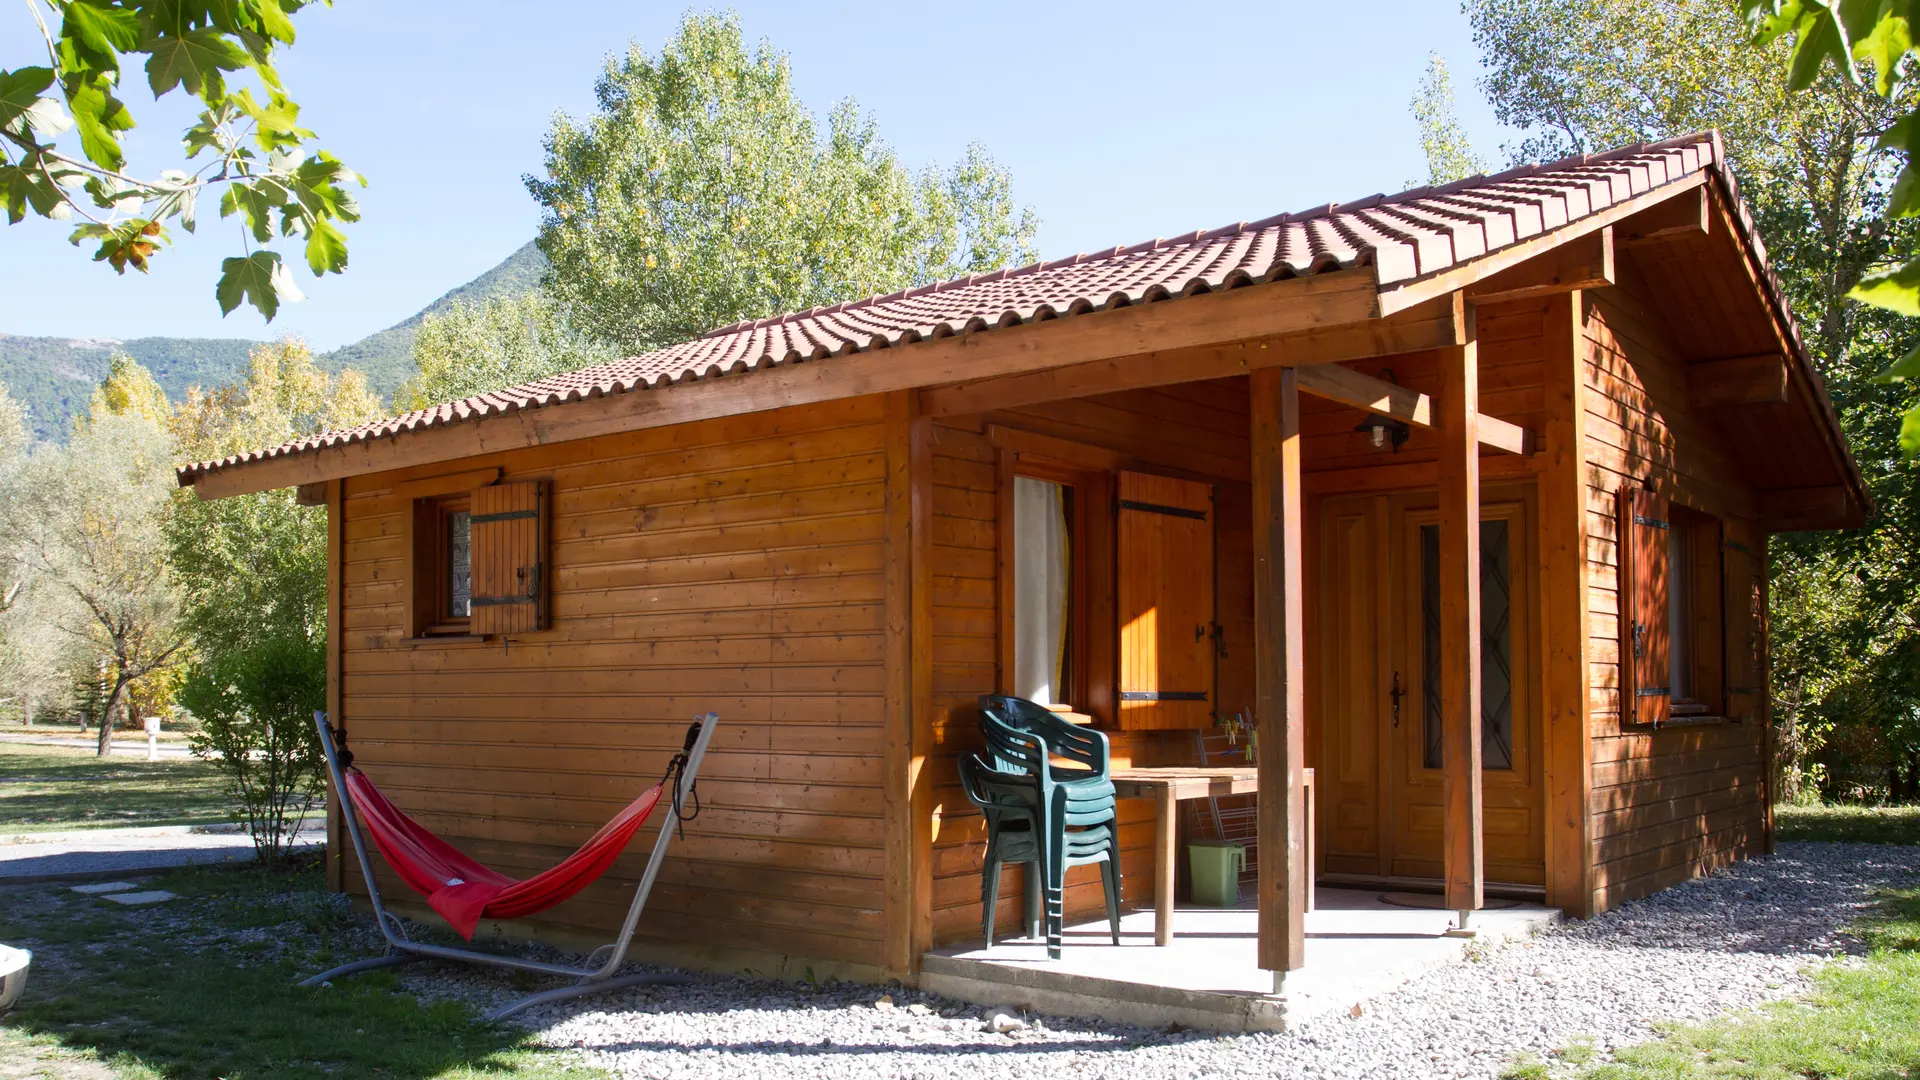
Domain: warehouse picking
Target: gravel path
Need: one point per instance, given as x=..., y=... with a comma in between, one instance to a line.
x=1728, y=942
x=81, y=854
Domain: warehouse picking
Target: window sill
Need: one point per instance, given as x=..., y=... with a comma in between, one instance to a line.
x=442, y=639
x=1683, y=722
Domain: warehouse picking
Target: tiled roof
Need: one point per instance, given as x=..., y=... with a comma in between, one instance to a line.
x=1407, y=236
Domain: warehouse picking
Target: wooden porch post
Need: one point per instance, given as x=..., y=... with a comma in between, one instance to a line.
x=908, y=807
x=1563, y=602
x=336, y=542
x=1280, y=665
x=1459, y=571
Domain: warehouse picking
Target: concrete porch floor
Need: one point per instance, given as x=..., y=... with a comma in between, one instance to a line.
x=1358, y=946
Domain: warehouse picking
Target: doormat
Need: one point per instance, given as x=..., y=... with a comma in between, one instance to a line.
x=1436, y=902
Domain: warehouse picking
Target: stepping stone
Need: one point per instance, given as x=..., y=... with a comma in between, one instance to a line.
x=103, y=887
x=135, y=899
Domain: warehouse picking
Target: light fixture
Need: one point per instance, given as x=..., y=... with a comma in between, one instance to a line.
x=1384, y=430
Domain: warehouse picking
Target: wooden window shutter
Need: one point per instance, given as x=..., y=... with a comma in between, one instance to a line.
x=1744, y=615
x=1167, y=629
x=1646, y=674
x=510, y=583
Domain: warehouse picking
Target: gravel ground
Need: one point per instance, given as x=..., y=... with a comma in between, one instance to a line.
x=1731, y=941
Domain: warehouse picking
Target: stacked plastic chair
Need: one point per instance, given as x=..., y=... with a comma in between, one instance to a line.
x=1046, y=814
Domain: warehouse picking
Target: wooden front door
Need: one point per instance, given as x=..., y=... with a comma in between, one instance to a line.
x=1375, y=697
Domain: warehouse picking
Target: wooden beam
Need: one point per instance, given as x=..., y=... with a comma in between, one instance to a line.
x=1194, y=464
x=1431, y=326
x=429, y=486
x=1462, y=839
x=1280, y=669
x=1798, y=509
x=1298, y=304
x=897, y=903
x=1349, y=387
x=1565, y=638
x=1403, y=295
x=314, y=494
x=1674, y=219
x=1585, y=262
x=336, y=698
x=924, y=744
x=1738, y=380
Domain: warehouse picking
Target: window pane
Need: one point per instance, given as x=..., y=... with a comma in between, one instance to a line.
x=1496, y=646
x=1043, y=593
x=1679, y=610
x=459, y=565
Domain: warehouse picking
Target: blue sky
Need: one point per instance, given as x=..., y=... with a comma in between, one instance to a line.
x=1120, y=122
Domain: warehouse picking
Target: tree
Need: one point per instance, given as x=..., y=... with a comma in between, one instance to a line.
x=86, y=521
x=703, y=193
x=254, y=566
x=249, y=145
x=472, y=348
x=1584, y=77
x=1449, y=152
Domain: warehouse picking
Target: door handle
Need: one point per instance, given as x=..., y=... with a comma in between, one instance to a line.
x=1396, y=694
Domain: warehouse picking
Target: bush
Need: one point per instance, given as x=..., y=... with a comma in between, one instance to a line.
x=255, y=705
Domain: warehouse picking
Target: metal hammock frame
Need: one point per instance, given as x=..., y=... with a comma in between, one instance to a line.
x=592, y=978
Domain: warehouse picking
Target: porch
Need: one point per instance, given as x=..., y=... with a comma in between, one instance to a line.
x=1360, y=943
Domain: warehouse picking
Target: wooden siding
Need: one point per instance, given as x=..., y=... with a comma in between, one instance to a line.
x=1670, y=804
x=735, y=565
x=1199, y=429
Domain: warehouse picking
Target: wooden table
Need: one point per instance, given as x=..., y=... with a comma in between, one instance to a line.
x=1168, y=787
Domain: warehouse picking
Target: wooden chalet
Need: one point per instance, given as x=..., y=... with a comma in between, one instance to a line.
x=1463, y=493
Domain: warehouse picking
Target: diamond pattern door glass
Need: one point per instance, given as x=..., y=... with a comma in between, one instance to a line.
x=1496, y=646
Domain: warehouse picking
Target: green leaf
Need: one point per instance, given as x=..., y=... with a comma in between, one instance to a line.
x=20, y=91
x=98, y=32
x=24, y=188
x=1885, y=46
x=1910, y=432
x=272, y=20
x=1819, y=37
x=100, y=116
x=260, y=278
x=1897, y=290
x=1901, y=370
x=193, y=60
x=1904, y=199
x=326, y=247
x=256, y=200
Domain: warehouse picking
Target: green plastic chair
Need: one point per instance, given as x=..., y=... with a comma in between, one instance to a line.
x=1039, y=812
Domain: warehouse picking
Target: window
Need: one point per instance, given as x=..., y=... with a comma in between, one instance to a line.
x=477, y=561
x=444, y=565
x=1044, y=600
x=1496, y=646
x=1673, y=600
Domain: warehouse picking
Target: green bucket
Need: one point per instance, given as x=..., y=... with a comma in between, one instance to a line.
x=1216, y=865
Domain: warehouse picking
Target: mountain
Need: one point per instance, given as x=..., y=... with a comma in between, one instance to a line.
x=55, y=377
x=386, y=357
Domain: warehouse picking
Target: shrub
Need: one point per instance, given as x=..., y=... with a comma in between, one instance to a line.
x=255, y=707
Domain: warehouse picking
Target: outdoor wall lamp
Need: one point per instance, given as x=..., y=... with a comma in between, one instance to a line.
x=1382, y=430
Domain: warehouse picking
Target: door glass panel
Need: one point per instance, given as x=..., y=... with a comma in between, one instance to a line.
x=1496, y=646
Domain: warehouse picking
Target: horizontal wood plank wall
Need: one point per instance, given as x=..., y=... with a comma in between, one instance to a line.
x=1672, y=804
x=734, y=565
x=1196, y=429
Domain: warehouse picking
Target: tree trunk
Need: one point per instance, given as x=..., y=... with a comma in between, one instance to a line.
x=26, y=710
x=106, y=716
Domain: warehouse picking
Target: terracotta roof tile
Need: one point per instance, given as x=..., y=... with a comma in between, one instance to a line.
x=1406, y=236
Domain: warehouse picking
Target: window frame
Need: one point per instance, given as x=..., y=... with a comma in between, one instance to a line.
x=429, y=590
x=1694, y=617
x=1091, y=642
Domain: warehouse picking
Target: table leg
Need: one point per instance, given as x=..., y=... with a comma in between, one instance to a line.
x=1164, y=853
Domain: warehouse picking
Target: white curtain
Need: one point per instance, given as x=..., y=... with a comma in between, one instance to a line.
x=1041, y=555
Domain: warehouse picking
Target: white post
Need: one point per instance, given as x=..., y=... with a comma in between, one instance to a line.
x=153, y=738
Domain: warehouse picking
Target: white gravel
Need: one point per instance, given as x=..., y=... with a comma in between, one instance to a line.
x=1728, y=942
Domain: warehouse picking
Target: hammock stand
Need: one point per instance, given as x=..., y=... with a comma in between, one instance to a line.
x=593, y=978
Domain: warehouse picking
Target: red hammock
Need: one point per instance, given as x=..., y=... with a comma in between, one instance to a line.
x=462, y=890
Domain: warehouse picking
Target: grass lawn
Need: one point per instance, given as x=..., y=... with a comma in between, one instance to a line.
x=203, y=986
x=1849, y=824
x=44, y=788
